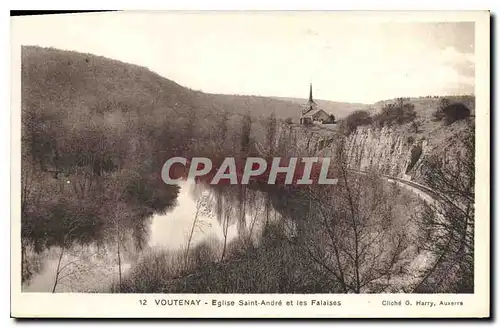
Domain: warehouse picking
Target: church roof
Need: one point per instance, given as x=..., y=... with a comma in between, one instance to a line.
x=313, y=112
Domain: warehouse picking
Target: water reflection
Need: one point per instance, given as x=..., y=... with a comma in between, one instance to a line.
x=81, y=269
x=172, y=230
x=201, y=212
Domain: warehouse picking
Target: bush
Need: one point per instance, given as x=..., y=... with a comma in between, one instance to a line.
x=451, y=112
x=289, y=120
x=399, y=112
x=355, y=119
x=331, y=119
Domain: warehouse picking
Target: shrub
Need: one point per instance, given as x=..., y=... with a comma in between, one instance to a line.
x=288, y=120
x=355, y=119
x=449, y=112
x=399, y=112
x=331, y=119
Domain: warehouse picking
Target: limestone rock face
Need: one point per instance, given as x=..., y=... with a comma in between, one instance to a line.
x=385, y=150
x=394, y=151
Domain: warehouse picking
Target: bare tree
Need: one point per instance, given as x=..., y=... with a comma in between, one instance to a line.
x=192, y=230
x=448, y=224
x=65, y=270
x=348, y=231
x=271, y=131
x=246, y=134
x=119, y=231
x=224, y=213
x=221, y=133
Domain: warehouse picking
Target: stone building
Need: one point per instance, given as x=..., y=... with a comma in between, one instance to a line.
x=311, y=113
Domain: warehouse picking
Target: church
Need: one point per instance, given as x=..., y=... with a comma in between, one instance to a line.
x=311, y=114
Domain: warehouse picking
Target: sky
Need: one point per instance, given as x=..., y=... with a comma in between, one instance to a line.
x=351, y=59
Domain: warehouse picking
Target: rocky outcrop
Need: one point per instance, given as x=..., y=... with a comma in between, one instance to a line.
x=394, y=151
x=386, y=150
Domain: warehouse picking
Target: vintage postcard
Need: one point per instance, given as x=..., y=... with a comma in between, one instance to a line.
x=251, y=164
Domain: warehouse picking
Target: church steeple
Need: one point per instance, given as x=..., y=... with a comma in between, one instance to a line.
x=310, y=103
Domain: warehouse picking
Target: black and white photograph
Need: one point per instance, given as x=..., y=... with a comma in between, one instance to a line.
x=251, y=153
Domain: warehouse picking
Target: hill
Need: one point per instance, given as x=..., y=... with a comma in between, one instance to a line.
x=339, y=109
x=80, y=81
x=426, y=106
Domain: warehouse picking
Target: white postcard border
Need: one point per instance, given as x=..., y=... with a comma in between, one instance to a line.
x=365, y=305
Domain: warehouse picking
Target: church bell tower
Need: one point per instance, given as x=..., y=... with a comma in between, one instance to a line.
x=311, y=105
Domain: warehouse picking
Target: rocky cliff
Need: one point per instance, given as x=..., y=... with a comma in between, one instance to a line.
x=395, y=151
x=385, y=150
x=398, y=150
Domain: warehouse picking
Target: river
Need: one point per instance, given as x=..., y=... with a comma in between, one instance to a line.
x=94, y=268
